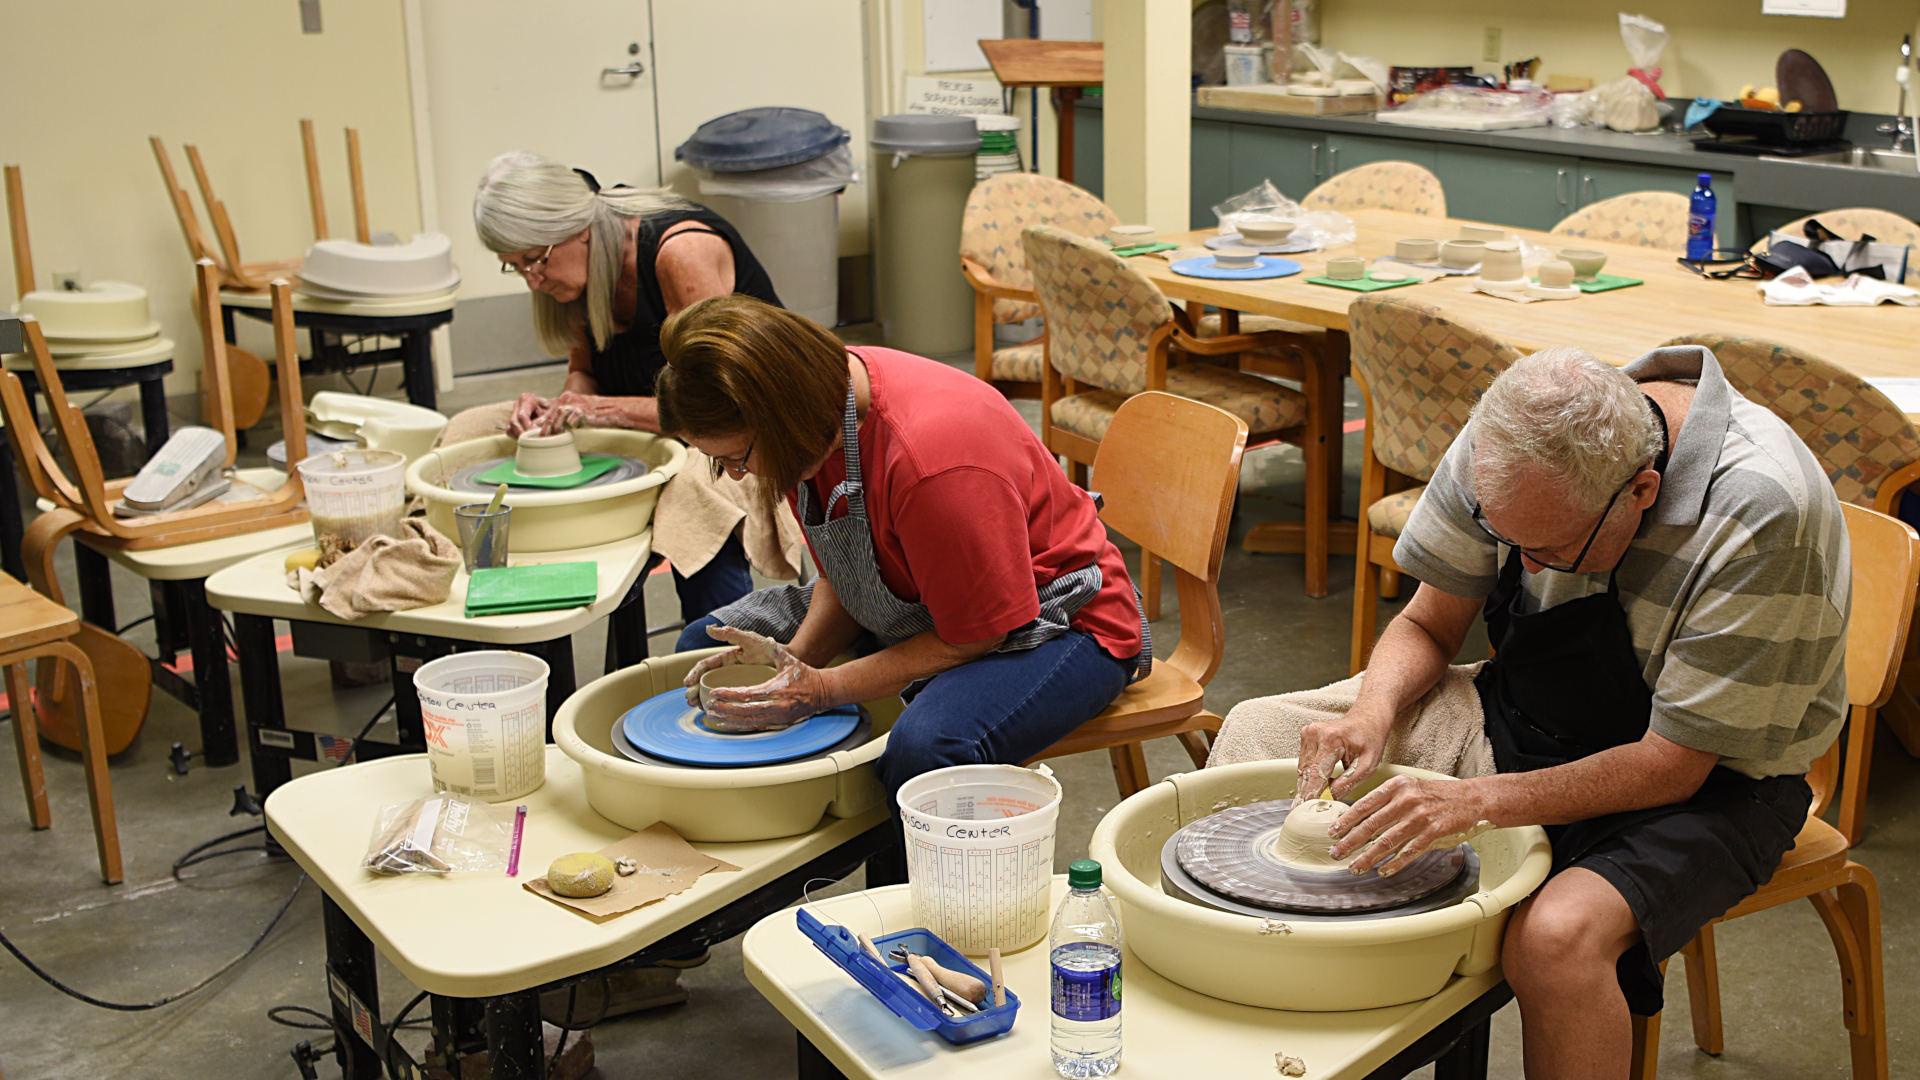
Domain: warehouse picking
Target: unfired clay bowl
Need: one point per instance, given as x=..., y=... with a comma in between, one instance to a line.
x=1236, y=258
x=546, y=455
x=1586, y=262
x=1131, y=235
x=1461, y=254
x=1346, y=268
x=1417, y=249
x=1264, y=229
x=1484, y=233
x=1501, y=262
x=732, y=675
x=1556, y=274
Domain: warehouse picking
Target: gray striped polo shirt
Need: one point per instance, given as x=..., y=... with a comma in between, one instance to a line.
x=1736, y=589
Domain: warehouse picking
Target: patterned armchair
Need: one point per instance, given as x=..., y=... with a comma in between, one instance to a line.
x=1419, y=373
x=1383, y=185
x=1648, y=219
x=1110, y=335
x=995, y=265
x=1883, y=225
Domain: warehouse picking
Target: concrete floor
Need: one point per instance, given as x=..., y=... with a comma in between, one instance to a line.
x=153, y=936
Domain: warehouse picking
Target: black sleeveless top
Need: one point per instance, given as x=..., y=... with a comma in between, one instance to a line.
x=632, y=358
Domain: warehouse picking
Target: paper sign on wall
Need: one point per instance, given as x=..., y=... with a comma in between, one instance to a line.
x=953, y=97
x=1824, y=9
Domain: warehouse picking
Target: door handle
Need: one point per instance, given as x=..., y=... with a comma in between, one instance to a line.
x=1316, y=161
x=1586, y=188
x=1560, y=186
x=633, y=70
x=1333, y=160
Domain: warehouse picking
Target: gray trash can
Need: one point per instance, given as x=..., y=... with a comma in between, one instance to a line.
x=923, y=168
x=776, y=173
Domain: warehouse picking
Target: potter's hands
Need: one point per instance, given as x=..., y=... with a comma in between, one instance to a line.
x=526, y=414
x=796, y=691
x=1404, y=817
x=570, y=410
x=1357, y=740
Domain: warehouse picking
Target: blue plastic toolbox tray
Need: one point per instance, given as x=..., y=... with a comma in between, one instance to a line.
x=841, y=947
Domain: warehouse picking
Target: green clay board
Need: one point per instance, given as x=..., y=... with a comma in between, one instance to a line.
x=1607, y=282
x=1143, y=249
x=1366, y=284
x=591, y=466
x=506, y=590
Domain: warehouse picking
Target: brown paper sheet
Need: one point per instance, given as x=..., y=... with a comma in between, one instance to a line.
x=668, y=865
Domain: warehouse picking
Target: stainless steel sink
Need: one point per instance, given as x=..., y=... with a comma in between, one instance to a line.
x=1859, y=157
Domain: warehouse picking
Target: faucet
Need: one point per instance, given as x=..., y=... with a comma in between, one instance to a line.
x=1902, y=126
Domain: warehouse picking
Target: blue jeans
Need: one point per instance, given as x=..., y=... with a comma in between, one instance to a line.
x=723, y=580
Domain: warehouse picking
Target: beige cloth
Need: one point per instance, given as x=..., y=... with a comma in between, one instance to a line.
x=697, y=510
x=386, y=573
x=1444, y=732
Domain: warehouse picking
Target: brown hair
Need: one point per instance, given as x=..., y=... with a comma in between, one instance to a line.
x=740, y=365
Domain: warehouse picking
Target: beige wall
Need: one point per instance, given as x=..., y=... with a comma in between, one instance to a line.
x=1715, y=47
x=99, y=76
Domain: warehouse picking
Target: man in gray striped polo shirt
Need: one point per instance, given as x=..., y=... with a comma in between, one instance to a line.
x=1663, y=568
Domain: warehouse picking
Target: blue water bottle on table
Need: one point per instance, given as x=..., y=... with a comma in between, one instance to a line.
x=1085, y=947
x=1700, y=220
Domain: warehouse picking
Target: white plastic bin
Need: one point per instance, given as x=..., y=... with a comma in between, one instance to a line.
x=354, y=495
x=797, y=242
x=485, y=715
x=980, y=853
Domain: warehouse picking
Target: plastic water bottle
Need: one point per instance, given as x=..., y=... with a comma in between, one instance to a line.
x=1700, y=221
x=1085, y=948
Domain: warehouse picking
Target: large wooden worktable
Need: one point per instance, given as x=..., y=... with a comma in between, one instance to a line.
x=1616, y=326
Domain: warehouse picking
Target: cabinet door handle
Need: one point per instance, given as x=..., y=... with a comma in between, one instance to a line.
x=1560, y=186
x=1316, y=161
x=1333, y=160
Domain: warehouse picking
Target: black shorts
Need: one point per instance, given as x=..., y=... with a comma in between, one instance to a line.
x=1682, y=866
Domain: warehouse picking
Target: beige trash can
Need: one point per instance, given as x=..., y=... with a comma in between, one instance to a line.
x=923, y=169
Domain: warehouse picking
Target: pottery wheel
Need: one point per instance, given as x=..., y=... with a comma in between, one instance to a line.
x=1232, y=854
x=464, y=478
x=862, y=734
x=1176, y=883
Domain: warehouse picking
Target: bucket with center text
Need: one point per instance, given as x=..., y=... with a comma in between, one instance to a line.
x=485, y=715
x=354, y=495
x=980, y=853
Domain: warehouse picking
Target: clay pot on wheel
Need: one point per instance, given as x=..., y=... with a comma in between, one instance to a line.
x=546, y=455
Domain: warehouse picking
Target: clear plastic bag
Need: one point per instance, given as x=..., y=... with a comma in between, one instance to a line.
x=440, y=834
x=1645, y=41
x=1321, y=228
x=824, y=175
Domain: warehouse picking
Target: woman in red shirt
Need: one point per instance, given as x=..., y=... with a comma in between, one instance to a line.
x=955, y=559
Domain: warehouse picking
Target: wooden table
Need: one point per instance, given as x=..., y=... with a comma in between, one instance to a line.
x=482, y=946
x=1167, y=1030
x=1066, y=66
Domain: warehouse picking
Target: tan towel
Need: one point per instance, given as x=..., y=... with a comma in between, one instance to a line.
x=1443, y=732
x=697, y=511
x=386, y=573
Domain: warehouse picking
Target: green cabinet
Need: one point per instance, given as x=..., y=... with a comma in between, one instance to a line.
x=1600, y=180
x=1291, y=158
x=1210, y=179
x=1089, y=150
x=1507, y=187
x=1346, y=151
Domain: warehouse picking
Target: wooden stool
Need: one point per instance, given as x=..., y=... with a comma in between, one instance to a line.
x=34, y=627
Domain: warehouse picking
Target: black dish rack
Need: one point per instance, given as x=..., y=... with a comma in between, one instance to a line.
x=1773, y=127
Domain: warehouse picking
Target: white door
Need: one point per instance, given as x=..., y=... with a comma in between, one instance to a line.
x=572, y=81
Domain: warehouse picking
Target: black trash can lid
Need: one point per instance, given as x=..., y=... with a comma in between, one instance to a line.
x=925, y=133
x=763, y=138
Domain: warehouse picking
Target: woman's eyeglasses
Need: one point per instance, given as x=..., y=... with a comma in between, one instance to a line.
x=735, y=464
x=531, y=266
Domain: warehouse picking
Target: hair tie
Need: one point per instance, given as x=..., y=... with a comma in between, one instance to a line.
x=588, y=177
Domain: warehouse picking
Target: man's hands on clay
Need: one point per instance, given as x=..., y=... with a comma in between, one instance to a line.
x=1357, y=740
x=1402, y=818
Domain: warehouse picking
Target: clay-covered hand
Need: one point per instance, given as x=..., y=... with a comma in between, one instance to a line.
x=1358, y=741
x=747, y=647
x=796, y=691
x=573, y=409
x=526, y=414
x=1404, y=817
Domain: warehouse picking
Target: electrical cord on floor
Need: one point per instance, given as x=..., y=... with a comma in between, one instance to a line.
x=366, y=727
x=386, y=1036
x=123, y=630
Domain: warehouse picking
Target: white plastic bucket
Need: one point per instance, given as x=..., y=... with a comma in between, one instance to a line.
x=355, y=495
x=980, y=853
x=485, y=715
x=798, y=243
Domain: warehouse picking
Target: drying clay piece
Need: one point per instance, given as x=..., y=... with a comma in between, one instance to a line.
x=1303, y=839
x=581, y=875
x=1288, y=1065
x=625, y=867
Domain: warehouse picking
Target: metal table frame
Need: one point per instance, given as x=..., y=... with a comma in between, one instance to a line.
x=326, y=329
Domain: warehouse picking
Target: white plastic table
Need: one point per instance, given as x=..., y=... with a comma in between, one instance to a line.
x=255, y=591
x=487, y=941
x=1167, y=1030
x=330, y=323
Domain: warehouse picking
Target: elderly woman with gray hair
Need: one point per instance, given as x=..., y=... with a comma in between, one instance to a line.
x=1663, y=570
x=606, y=266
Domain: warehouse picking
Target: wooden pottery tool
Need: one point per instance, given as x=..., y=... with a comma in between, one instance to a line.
x=999, y=982
x=483, y=536
x=959, y=982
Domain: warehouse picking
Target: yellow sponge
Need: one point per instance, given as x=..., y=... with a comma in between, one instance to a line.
x=580, y=875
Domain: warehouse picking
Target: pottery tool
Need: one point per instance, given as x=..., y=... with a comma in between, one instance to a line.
x=867, y=944
x=519, y=830
x=483, y=537
x=999, y=983
x=923, y=977
x=965, y=986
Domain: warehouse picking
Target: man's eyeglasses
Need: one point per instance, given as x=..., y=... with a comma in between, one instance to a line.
x=1533, y=553
x=531, y=266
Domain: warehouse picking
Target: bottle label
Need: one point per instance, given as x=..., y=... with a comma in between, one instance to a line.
x=1086, y=995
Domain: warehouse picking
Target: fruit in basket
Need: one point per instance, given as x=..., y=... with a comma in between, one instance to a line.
x=1792, y=106
x=1766, y=98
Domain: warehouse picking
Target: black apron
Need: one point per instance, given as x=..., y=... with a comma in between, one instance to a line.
x=632, y=359
x=1565, y=683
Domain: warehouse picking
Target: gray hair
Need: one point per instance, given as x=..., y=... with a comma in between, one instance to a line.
x=1583, y=422
x=526, y=201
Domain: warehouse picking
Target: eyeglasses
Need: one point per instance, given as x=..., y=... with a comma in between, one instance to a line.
x=1532, y=553
x=531, y=266
x=1726, y=264
x=735, y=464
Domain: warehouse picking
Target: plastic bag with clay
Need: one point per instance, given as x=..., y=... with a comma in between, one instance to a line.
x=1645, y=41
x=1625, y=104
x=440, y=834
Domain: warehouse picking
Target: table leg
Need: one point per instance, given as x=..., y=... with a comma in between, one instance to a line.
x=169, y=619
x=260, y=691
x=226, y=325
x=561, y=680
x=627, y=627
x=11, y=525
x=96, y=588
x=417, y=349
x=1063, y=99
x=206, y=635
x=456, y=1030
x=353, y=987
x=514, y=1040
x=814, y=1064
x=153, y=414
x=1467, y=1058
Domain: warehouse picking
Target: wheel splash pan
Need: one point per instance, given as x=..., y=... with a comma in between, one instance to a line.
x=1306, y=965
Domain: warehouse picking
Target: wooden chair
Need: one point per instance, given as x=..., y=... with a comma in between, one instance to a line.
x=1886, y=565
x=17, y=230
x=1857, y=221
x=1178, y=505
x=1648, y=219
x=1871, y=452
x=234, y=273
x=1419, y=373
x=33, y=627
x=995, y=265
x=1110, y=334
x=1382, y=185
